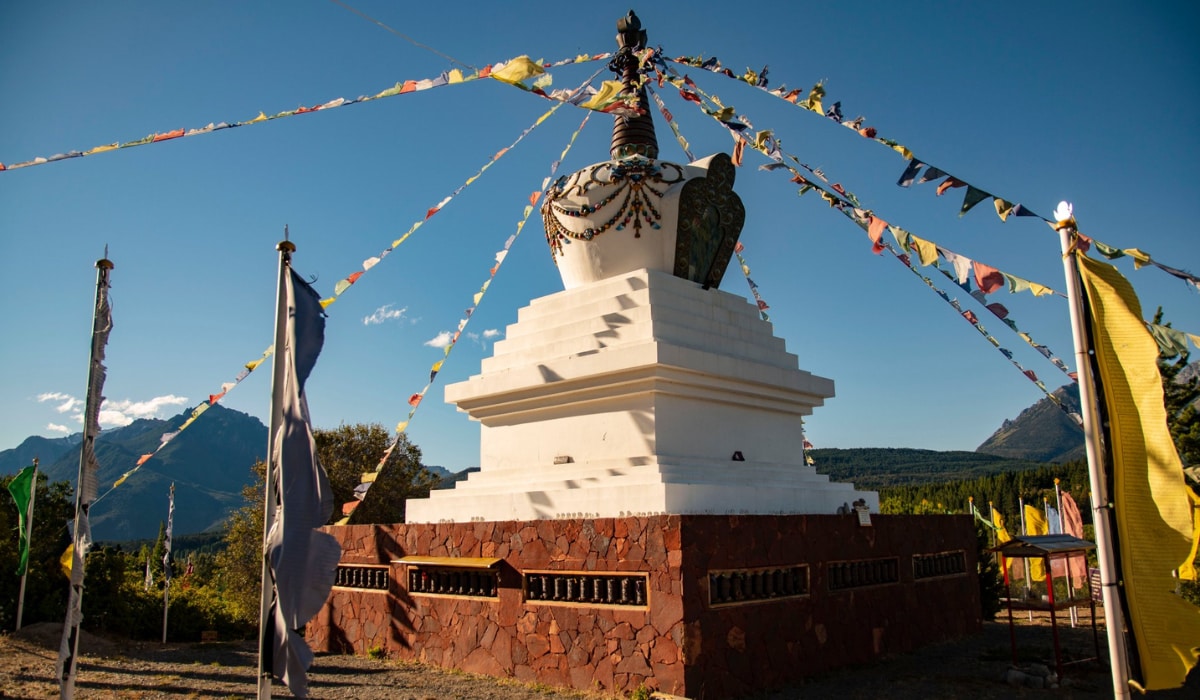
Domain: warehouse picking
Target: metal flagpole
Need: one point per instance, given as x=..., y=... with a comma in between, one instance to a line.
x=271, y=497
x=68, y=652
x=1114, y=619
x=28, y=543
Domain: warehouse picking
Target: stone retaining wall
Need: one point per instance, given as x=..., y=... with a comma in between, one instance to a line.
x=677, y=640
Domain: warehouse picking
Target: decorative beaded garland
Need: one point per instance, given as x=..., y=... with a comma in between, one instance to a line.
x=640, y=183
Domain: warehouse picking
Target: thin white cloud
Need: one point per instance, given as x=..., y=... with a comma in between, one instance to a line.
x=66, y=402
x=142, y=409
x=491, y=333
x=113, y=413
x=383, y=314
x=111, y=419
x=440, y=340
x=56, y=428
x=473, y=336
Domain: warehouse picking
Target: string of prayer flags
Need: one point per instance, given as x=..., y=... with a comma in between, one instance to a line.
x=847, y=203
x=970, y=317
x=345, y=283
x=199, y=410
x=813, y=103
x=670, y=119
x=758, y=300
x=509, y=72
x=414, y=401
x=1140, y=260
x=973, y=195
x=1172, y=342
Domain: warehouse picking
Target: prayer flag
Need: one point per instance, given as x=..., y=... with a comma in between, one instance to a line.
x=166, y=560
x=21, y=487
x=302, y=562
x=86, y=486
x=1154, y=521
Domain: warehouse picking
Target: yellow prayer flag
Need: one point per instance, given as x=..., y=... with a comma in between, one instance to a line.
x=1035, y=521
x=1187, y=571
x=1154, y=519
x=813, y=101
x=102, y=149
x=1140, y=258
x=926, y=250
x=517, y=69
x=1002, y=208
x=608, y=93
x=67, y=559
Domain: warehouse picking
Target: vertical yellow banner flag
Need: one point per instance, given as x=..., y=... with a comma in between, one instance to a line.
x=1152, y=507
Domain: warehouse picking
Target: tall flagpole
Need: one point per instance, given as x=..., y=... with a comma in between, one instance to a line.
x=28, y=542
x=271, y=497
x=167, y=561
x=85, y=484
x=1114, y=619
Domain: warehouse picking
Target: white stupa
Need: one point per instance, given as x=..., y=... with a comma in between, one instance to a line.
x=641, y=388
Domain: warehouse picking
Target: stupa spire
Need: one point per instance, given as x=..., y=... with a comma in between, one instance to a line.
x=632, y=135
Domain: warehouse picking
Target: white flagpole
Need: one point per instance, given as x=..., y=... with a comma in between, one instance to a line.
x=28, y=543
x=85, y=486
x=271, y=498
x=1062, y=526
x=1114, y=619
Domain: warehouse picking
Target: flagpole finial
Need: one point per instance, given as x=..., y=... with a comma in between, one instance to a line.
x=104, y=263
x=286, y=246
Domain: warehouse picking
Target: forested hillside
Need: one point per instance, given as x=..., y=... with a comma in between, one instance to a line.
x=1002, y=490
x=879, y=467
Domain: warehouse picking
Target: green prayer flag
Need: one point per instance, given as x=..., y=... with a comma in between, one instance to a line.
x=20, y=488
x=980, y=517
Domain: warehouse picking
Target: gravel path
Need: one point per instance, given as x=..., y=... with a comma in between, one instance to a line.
x=970, y=668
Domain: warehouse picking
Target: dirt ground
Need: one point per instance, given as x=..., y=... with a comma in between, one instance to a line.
x=969, y=668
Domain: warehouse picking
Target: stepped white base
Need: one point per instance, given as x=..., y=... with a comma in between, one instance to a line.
x=639, y=394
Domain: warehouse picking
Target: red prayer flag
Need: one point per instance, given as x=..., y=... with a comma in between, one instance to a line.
x=949, y=183
x=169, y=135
x=738, y=149
x=875, y=228
x=988, y=278
x=414, y=400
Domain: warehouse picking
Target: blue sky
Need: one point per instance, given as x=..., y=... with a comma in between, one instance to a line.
x=1035, y=102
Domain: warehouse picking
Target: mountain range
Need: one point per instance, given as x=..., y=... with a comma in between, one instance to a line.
x=209, y=463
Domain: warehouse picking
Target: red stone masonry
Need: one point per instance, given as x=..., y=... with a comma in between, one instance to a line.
x=677, y=642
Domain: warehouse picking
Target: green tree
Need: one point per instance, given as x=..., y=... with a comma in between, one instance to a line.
x=346, y=453
x=239, y=565
x=45, y=585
